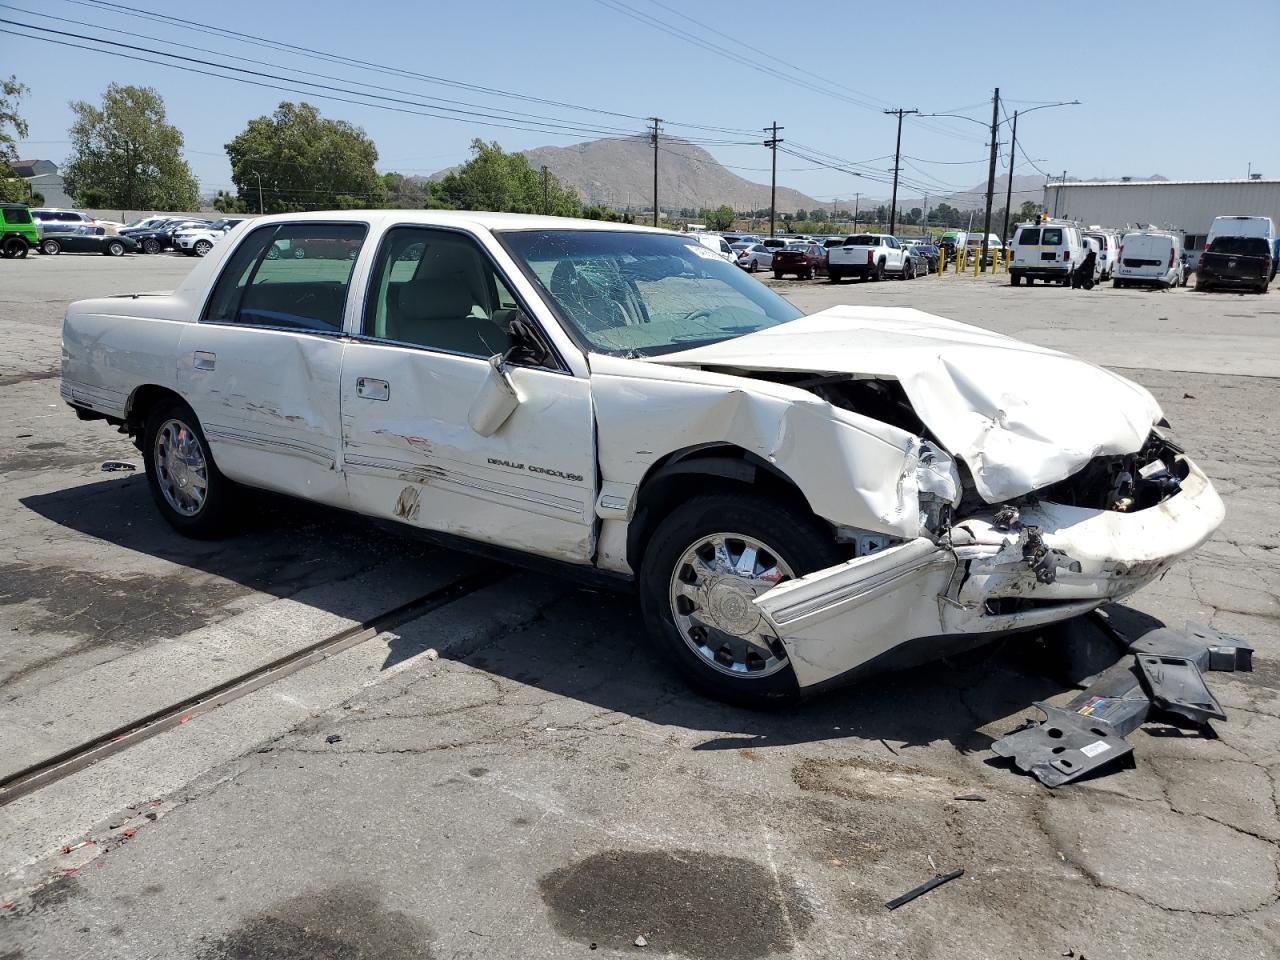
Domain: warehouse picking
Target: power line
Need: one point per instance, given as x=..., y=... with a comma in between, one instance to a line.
x=311, y=52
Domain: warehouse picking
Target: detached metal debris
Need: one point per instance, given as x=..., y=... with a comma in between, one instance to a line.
x=1161, y=670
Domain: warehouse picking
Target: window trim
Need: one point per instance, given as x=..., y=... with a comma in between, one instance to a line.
x=339, y=332
x=360, y=336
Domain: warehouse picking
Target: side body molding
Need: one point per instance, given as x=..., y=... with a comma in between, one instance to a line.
x=839, y=618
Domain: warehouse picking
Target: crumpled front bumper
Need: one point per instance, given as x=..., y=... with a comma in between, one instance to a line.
x=1054, y=563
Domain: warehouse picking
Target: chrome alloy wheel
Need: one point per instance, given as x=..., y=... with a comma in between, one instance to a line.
x=711, y=592
x=182, y=468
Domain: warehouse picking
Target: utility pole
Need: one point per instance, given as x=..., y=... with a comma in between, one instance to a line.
x=897, y=164
x=656, y=122
x=259, y=176
x=1008, y=196
x=991, y=179
x=1058, y=193
x=924, y=216
x=856, y=198
x=772, y=144
x=545, y=209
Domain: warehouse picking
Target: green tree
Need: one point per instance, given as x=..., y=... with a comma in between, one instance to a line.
x=12, y=129
x=405, y=193
x=496, y=180
x=225, y=202
x=721, y=218
x=125, y=154
x=304, y=162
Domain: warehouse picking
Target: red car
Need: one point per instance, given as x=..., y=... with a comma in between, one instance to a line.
x=805, y=260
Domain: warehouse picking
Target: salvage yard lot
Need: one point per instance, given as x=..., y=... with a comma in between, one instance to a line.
x=542, y=785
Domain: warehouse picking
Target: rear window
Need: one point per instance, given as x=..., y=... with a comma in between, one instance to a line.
x=1051, y=236
x=1242, y=246
x=862, y=240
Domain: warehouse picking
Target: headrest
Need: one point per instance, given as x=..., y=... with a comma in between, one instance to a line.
x=435, y=298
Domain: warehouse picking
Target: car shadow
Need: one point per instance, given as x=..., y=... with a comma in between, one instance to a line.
x=587, y=644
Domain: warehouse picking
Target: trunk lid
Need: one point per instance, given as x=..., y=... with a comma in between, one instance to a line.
x=1020, y=416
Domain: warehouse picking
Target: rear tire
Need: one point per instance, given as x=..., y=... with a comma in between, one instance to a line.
x=50, y=247
x=15, y=248
x=777, y=275
x=178, y=460
x=877, y=272
x=793, y=537
x=201, y=247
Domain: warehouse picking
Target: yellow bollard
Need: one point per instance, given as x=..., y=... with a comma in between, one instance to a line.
x=977, y=262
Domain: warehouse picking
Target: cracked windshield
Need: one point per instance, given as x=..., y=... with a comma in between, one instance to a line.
x=640, y=294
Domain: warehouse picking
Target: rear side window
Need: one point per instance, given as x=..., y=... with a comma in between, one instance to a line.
x=16, y=215
x=294, y=276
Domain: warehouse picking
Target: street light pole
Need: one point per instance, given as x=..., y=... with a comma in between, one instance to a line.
x=259, y=176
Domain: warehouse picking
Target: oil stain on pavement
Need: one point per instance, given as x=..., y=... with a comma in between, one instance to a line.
x=680, y=901
x=339, y=923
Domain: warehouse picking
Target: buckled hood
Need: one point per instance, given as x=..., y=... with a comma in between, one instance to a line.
x=1020, y=416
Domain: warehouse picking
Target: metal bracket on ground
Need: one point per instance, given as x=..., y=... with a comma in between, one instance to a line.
x=1161, y=671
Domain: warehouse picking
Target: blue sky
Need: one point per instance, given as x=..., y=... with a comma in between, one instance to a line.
x=1155, y=80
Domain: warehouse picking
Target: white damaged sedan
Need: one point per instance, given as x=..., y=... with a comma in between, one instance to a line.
x=801, y=499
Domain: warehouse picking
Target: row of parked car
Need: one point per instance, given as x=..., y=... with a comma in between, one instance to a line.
x=1241, y=251
x=54, y=231
x=809, y=257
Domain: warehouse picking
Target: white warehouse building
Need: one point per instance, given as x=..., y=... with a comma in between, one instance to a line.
x=1188, y=205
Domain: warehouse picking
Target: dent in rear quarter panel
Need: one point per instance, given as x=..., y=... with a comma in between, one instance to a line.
x=109, y=350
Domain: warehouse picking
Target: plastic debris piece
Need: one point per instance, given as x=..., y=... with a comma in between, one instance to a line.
x=938, y=880
x=432, y=654
x=114, y=466
x=641, y=941
x=333, y=738
x=977, y=798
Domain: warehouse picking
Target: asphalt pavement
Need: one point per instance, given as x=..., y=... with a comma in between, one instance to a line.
x=514, y=774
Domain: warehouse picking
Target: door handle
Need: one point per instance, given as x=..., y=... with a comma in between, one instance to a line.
x=204, y=360
x=371, y=389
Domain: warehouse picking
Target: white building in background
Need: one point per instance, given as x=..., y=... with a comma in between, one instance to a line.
x=1188, y=205
x=45, y=180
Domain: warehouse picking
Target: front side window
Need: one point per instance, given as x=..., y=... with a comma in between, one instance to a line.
x=292, y=276
x=642, y=294
x=16, y=215
x=437, y=289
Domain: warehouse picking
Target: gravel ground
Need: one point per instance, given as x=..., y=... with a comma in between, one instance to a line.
x=541, y=786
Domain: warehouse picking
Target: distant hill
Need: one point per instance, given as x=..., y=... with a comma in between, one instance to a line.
x=619, y=173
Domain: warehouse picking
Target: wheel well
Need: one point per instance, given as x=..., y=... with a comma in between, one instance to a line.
x=142, y=402
x=688, y=473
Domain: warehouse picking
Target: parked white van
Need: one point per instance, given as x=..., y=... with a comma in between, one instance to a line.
x=1046, y=251
x=1222, y=227
x=1108, y=246
x=1152, y=257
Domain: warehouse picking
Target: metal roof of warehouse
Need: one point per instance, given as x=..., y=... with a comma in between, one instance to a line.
x=1152, y=183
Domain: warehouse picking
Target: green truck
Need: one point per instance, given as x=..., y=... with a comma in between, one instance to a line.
x=17, y=230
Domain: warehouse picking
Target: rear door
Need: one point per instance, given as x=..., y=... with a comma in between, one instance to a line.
x=261, y=368
x=417, y=378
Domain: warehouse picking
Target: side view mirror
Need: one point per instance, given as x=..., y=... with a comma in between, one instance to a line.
x=526, y=347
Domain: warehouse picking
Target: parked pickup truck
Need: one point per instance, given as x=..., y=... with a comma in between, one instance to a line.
x=1236, y=262
x=621, y=401
x=872, y=256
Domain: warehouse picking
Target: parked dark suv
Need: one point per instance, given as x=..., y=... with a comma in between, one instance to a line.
x=1236, y=262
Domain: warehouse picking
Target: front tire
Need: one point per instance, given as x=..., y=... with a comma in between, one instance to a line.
x=151, y=246
x=115, y=249
x=201, y=247
x=192, y=494
x=703, y=566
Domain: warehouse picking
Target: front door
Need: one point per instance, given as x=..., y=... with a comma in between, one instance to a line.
x=436, y=309
x=261, y=369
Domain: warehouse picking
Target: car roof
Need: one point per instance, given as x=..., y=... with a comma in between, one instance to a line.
x=460, y=218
